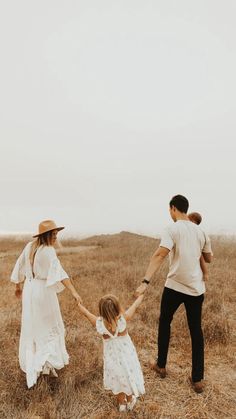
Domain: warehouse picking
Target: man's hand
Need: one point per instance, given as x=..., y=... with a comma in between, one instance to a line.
x=141, y=289
x=154, y=265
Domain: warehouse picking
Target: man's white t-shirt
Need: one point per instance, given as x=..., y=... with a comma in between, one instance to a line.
x=186, y=242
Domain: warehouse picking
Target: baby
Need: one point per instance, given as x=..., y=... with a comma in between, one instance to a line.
x=196, y=218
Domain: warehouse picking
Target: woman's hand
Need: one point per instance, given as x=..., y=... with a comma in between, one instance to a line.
x=69, y=285
x=77, y=297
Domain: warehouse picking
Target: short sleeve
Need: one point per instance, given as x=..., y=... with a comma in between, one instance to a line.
x=19, y=271
x=167, y=239
x=100, y=326
x=121, y=324
x=207, y=245
x=56, y=274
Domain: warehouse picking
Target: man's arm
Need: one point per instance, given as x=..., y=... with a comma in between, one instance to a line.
x=206, y=251
x=155, y=263
x=204, y=268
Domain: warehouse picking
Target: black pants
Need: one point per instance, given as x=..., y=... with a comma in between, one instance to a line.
x=170, y=302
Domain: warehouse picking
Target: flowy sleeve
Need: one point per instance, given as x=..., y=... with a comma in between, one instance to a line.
x=121, y=324
x=56, y=274
x=19, y=271
x=100, y=326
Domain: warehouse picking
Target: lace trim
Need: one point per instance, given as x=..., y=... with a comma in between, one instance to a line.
x=53, y=334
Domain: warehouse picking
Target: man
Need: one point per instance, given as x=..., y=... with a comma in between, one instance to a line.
x=185, y=242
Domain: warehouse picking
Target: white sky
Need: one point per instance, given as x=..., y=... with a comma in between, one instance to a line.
x=109, y=108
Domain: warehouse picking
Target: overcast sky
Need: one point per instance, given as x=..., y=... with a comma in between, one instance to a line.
x=110, y=107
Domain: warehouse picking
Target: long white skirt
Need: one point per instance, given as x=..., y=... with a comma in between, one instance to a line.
x=42, y=338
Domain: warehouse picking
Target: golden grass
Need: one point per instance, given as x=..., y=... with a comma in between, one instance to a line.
x=116, y=264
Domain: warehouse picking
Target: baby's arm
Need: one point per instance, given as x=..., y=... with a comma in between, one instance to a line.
x=204, y=268
x=91, y=318
x=131, y=310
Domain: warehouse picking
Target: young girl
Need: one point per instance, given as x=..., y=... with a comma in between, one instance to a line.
x=122, y=371
x=196, y=218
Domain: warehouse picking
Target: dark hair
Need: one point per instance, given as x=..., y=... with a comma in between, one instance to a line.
x=180, y=202
x=195, y=217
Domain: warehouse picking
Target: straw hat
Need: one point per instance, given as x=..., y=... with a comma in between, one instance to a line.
x=47, y=225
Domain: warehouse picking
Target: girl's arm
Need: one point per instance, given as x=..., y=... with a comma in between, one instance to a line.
x=131, y=310
x=91, y=318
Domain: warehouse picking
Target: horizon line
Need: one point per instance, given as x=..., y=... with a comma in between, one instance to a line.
x=70, y=234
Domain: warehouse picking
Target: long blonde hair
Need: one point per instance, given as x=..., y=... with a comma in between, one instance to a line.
x=109, y=308
x=44, y=239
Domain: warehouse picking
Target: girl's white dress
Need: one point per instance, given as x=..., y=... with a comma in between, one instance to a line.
x=122, y=370
x=42, y=338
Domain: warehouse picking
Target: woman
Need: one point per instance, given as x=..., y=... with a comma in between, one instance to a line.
x=42, y=340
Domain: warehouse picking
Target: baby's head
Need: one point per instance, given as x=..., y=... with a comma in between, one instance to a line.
x=109, y=308
x=195, y=217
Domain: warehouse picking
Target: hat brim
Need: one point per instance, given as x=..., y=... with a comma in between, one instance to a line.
x=51, y=229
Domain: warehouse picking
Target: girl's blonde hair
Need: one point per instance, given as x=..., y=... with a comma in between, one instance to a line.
x=109, y=308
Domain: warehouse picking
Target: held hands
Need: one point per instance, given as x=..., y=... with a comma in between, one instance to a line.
x=141, y=289
x=140, y=298
x=77, y=297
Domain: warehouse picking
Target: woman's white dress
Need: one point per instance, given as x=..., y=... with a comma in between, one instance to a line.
x=42, y=338
x=122, y=370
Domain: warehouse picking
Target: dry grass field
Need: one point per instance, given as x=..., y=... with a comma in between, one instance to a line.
x=116, y=263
